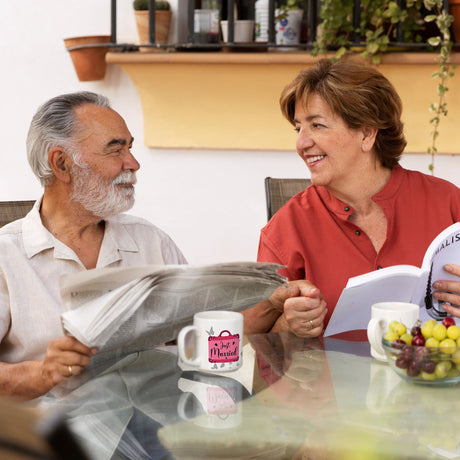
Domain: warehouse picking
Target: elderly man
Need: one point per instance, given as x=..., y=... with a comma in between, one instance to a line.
x=80, y=149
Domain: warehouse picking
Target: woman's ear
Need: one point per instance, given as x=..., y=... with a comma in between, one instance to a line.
x=368, y=140
x=60, y=164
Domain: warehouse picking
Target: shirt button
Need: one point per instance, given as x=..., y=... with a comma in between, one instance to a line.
x=357, y=232
x=346, y=208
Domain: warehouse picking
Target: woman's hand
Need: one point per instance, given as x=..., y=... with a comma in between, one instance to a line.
x=303, y=313
x=453, y=296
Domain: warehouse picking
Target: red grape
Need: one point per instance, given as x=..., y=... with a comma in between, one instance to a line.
x=428, y=367
x=421, y=353
x=398, y=344
x=413, y=369
x=402, y=363
x=406, y=353
x=448, y=321
x=418, y=341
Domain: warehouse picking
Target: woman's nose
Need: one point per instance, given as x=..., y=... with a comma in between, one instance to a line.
x=304, y=140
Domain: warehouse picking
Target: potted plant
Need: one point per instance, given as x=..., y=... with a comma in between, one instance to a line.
x=88, y=55
x=377, y=28
x=288, y=22
x=163, y=15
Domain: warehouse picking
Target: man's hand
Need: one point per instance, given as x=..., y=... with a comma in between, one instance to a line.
x=298, y=307
x=65, y=357
x=304, y=312
x=282, y=293
x=453, y=286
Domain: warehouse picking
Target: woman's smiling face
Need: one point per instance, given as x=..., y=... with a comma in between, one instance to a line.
x=331, y=150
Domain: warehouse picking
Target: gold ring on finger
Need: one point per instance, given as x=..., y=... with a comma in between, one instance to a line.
x=312, y=325
x=70, y=370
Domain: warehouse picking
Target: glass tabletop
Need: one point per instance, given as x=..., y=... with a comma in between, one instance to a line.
x=293, y=398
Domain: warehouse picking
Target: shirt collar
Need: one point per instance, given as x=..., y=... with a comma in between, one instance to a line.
x=397, y=176
x=116, y=239
x=343, y=210
x=37, y=238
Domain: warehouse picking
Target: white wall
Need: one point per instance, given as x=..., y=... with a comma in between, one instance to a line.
x=211, y=202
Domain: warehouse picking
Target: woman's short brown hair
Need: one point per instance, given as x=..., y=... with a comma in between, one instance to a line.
x=359, y=94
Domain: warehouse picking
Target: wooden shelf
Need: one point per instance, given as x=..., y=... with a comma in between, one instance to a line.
x=229, y=100
x=259, y=58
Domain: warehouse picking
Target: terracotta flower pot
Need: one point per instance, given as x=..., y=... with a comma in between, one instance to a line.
x=162, y=23
x=89, y=63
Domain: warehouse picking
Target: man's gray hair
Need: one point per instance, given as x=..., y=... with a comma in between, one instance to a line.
x=55, y=125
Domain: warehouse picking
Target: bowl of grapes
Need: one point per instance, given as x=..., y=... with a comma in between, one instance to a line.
x=425, y=353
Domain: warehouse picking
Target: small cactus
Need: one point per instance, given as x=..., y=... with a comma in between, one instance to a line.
x=162, y=5
x=143, y=5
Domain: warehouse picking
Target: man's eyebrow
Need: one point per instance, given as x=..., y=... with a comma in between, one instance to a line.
x=119, y=142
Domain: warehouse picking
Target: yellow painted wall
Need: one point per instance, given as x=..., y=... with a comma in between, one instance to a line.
x=230, y=100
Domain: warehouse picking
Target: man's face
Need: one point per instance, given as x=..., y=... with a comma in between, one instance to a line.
x=103, y=173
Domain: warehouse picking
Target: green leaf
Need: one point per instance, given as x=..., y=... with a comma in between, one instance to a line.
x=434, y=41
x=372, y=48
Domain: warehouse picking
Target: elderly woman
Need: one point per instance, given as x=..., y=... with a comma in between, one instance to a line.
x=363, y=211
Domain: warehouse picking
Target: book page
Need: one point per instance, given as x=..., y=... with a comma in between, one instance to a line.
x=401, y=283
x=444, y=249
x=353, y=309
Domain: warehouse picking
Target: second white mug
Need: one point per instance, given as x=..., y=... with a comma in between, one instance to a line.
x=382, y=314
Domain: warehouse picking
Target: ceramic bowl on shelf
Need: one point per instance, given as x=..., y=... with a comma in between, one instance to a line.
x=243, y=31
x=424, y=365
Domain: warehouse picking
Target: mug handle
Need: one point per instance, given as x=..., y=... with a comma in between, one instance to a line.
x=374, y=334
x=181, y=406
x=181, y=348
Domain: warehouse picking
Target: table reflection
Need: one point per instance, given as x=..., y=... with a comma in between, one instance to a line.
x=293, y=398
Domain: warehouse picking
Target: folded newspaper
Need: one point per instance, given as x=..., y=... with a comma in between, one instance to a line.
x=144, y=306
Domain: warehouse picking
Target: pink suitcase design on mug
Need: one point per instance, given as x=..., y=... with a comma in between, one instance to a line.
x=224, y=349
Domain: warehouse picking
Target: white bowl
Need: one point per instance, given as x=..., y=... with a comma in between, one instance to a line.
x=243, y=32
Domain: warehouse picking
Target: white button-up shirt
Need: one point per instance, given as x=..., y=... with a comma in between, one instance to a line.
x=32, y=260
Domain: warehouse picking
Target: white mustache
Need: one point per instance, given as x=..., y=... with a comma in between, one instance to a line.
x=125, y=177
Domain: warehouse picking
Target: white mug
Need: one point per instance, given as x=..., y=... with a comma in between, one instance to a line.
x=217, y=337
x=382, y=314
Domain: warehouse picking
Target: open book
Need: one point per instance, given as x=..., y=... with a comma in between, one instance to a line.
x=403, y=283
x=144, y=306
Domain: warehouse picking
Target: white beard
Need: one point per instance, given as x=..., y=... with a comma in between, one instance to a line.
x=103, y=199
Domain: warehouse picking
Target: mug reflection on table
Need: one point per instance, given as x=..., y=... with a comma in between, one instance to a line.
x=211, y=401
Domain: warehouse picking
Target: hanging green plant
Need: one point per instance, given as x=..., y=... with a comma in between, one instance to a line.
x=443, y=21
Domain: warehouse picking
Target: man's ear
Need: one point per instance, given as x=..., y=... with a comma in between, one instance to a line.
x=60, y=164
x=368, y=139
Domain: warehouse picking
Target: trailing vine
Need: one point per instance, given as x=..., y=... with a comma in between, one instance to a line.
x=443, y=41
